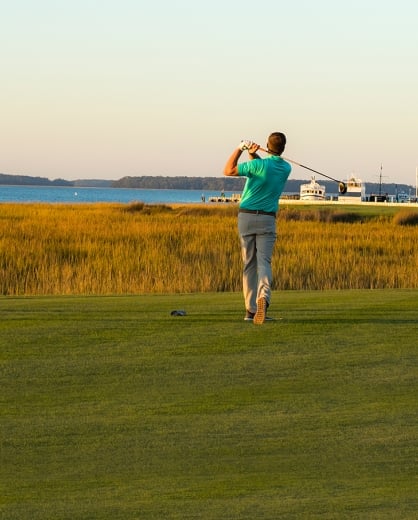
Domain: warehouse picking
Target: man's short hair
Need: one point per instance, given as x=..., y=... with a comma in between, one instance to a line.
x=276, y=143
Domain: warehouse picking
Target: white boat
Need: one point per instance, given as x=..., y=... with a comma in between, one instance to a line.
x=312, y=191
x=356, y=191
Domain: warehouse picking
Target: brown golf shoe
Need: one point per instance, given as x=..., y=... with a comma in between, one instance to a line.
x=260, y=315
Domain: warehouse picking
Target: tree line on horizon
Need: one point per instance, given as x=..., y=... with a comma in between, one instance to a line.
x=230, y=184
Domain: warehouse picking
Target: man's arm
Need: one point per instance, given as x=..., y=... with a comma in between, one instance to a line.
x=231, y=166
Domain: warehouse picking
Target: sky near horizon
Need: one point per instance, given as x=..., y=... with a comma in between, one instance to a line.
x=111, y=88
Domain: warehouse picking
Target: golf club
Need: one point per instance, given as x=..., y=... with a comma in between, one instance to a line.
x=342, y=187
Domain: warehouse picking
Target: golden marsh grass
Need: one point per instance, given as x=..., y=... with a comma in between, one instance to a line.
x=137, y=249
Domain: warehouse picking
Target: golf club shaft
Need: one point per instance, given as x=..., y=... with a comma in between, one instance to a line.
x=306, y=167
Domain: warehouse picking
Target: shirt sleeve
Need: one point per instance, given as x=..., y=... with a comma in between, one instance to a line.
x=249, y=168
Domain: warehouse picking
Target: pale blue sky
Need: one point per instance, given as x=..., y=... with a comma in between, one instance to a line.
x=108, y=88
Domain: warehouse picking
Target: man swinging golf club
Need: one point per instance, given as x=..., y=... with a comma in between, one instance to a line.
x=259, y=204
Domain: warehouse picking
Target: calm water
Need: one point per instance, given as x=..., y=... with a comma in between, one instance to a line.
x=75, y=194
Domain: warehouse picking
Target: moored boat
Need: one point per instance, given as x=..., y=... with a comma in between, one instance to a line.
x=312, y=191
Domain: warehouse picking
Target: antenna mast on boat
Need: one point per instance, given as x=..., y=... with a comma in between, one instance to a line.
x=416, y=183
x=380, y=179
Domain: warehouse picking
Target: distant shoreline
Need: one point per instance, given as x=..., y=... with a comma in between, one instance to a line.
x=180, y=183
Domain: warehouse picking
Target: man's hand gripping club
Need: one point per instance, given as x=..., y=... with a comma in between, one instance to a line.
x=230, y=169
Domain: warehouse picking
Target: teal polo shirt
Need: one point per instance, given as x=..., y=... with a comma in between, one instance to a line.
x=266, y=179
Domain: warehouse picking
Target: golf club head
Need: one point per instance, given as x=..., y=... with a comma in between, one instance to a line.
x=342, y=188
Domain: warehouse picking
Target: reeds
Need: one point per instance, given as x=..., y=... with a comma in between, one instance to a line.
x=133, y=249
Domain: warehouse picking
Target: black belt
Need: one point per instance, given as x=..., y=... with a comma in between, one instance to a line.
x=258, y=212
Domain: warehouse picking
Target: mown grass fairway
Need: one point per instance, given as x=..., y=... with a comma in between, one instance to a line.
x=113, y=409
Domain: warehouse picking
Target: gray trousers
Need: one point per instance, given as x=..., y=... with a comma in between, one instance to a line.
x=258, y=236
